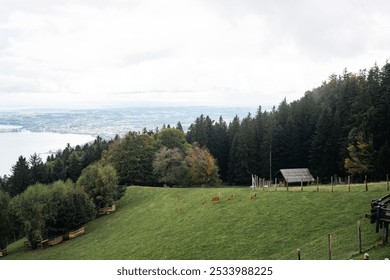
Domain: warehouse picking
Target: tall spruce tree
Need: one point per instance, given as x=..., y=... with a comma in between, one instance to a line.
x=20, y=178
x=37, y=169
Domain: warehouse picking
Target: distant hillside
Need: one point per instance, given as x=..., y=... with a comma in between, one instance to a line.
x=164, y=223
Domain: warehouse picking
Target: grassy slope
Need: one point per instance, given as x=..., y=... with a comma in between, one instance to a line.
x=161, y=223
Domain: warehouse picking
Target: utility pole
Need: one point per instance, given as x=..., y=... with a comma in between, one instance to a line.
x=270, y=160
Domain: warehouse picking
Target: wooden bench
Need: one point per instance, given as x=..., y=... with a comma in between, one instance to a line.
x=106, y=210
x=55, y=241
x=74, y=234
x=3, y=253
x=43, y=244
x=111, y=209
x=102, y=211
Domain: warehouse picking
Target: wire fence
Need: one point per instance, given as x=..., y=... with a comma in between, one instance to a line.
x=346, y=243
x=316, y=186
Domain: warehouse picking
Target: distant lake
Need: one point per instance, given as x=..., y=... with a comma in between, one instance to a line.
x=25, y=143
x=24, y=132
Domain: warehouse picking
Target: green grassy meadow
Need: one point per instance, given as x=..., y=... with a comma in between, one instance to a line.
x=173, y=223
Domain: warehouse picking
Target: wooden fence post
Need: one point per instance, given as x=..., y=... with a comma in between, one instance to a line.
x=385, y=233
x=299, y=254
x=365, y=180
x=276, y=184
x=331, y=182
x=360, y=237
x=330, y=246
x=349, y=183
x=301, y=185
x=318, y=186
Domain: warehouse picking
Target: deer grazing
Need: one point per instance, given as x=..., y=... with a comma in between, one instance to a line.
x=215, y=199
x=254, y=196
x=230, y=197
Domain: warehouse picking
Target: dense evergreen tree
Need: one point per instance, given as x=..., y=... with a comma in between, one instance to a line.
x=324, y=148
x=5, y=222
x=4, y=183
x=179, y=127
x=245, y=151
x=219, y=146
x=38, y=170
x=232, y=132
x=75, y=165
x=20, y=178
x=199, y=131
x=58, y=170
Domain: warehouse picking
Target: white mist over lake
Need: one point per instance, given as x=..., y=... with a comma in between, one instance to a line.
x=26, y=143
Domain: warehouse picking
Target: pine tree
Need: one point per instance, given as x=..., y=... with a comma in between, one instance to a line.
x=232, y=133
x=219, y=145
x=58, y=170
x=37, y=169
x=20, y=178
x=324, y=146
x=245, y=154
x=179, y=126
x=75, y=165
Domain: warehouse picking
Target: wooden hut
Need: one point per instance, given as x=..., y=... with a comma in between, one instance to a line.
x=297, y=175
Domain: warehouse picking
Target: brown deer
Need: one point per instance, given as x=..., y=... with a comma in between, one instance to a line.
x=215, y=199
x=254, y=196
x=231, y=197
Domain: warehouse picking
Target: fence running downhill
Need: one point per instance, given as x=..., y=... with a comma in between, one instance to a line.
x=346, y=243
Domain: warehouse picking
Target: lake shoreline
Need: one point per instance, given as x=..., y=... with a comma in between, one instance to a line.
x=25, y=143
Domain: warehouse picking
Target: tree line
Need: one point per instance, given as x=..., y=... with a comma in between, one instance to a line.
x=338, y=128
x=341, y=127
x=63, y=165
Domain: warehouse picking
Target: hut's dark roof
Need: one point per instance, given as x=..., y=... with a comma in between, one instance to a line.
x=297, y=175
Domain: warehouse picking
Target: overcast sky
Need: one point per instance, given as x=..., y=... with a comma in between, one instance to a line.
x=95, y=53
